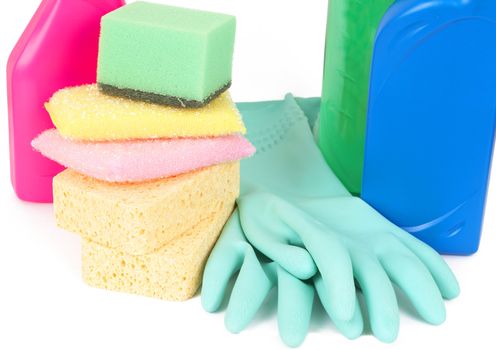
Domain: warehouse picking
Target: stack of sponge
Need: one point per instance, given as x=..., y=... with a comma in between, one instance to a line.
x=153, y=150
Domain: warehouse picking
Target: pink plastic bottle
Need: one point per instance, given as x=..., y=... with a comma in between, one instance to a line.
x=59, y=48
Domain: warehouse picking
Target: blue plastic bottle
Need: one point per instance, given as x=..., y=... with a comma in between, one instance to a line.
x=431, y=119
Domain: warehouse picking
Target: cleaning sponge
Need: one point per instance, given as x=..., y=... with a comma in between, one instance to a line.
x=139, y=218
x=134, y=161
x=165, y=54
x=173, y=272
x=84, y=113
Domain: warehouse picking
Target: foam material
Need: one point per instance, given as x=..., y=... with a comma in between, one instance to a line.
x=134, y=161
x=85, y=113
x=176, y=55
x=139, y=218
x=173, y=272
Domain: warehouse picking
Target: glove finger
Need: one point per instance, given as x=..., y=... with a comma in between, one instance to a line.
x=332, y=260
x=224, y=261
x=249, y=292
x=379, y=296
x=351, y=329
x=441, y=272
x=295, y=259
x=275, y=239
x=408, y=272
x=294, y=308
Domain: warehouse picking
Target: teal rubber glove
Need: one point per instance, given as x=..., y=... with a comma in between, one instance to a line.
x=291, y=204
x=225, y=262
x=289, y=165
x=256, y=278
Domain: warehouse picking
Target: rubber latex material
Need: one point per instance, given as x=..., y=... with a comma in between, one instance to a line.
x=293, y=209
x=429, y=148
x=351, y=28
x=58, y=49
x=256, y=277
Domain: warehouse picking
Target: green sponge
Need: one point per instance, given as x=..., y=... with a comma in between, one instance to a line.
x=166, y=55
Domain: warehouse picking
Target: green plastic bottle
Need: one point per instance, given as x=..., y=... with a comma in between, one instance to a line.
x=351, y=29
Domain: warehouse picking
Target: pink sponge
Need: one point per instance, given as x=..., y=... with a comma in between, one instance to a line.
x=133, y=161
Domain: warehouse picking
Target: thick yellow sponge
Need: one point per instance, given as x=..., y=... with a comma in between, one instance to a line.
x=139, y=218
x=85, y=113
x=174, y=272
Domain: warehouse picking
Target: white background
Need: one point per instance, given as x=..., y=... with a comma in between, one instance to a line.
x=45, y=304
